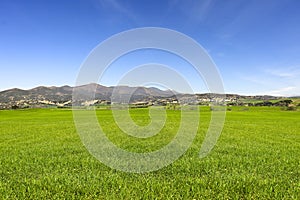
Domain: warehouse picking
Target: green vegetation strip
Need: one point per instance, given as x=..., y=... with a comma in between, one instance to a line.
x=256, y=157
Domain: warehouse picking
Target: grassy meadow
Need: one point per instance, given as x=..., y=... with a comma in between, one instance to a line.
x=257, y=157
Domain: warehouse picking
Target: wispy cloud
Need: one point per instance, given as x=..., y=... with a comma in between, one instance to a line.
x=274, y=81
x=118, y=6
x=203, y=9
x=289, y=72
x=286, y=79
x=197, y=11
x=225, y=38
x=286, y=91
x=254, y=79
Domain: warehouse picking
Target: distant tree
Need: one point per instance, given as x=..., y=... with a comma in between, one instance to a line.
x=250, y=104
x=287, y=102
x=259, y=104
x=241, y=104
x=232, y=104
x=14, y=107
x=268, y=103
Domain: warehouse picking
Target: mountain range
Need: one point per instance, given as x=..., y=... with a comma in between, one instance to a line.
x=64, y=93
x=63, y=97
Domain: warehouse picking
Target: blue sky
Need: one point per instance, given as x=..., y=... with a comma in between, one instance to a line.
x=255, y=44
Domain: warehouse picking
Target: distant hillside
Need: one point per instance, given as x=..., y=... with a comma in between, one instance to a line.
x=140, y=96
x=64, y=93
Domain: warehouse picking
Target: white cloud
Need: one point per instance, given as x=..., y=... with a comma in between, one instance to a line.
x=286, y=91
x=276, y=81
x=289, y=72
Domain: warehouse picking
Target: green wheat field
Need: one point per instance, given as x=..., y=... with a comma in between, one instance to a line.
x=256, y=157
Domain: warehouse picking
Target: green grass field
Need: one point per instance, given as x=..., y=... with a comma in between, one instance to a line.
x=256, y=157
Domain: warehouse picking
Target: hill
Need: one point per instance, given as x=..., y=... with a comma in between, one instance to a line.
x=62, y=96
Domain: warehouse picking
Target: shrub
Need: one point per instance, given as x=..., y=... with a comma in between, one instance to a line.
x=289, y=108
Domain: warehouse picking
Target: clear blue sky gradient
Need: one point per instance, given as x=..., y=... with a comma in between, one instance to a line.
x=255, y=44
